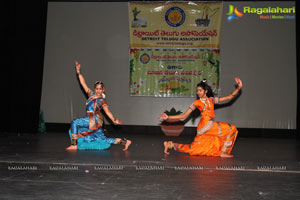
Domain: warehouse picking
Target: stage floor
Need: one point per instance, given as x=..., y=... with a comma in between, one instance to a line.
x=38, y=167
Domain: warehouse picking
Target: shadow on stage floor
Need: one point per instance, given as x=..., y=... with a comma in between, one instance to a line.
x=38, y=167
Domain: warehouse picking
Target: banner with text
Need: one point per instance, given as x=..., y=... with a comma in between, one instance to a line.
x=172, y=72
x=175, y=24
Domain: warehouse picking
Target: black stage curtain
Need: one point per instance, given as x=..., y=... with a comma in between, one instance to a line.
x=25, y=29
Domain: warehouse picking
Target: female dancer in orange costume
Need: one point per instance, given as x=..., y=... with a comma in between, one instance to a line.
x=213, y=138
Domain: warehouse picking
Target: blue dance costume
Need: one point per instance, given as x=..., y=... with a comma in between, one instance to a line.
x=88, y=130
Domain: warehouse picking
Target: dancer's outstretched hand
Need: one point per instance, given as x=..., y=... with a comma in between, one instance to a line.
x=239, y=82
x=163, y=116
x=117, y=121
x=78, y=66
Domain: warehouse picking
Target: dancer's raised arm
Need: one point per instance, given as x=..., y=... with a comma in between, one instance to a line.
x=234, y=93
x=81, y=79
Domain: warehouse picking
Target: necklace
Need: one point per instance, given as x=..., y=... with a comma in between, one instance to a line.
x=203, y=100
x=205, y=103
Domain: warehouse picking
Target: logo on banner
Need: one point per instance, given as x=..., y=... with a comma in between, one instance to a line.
x=144, y=58
x=233, y=13
x=175, y=16
x=263, y=13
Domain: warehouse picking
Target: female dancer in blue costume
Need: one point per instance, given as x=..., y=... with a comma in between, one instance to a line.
x=86, y=132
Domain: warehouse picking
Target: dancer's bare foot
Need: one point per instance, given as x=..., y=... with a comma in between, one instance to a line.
x=72, y=147
x=224, y=155
x=128, y=143
x=166, y=148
